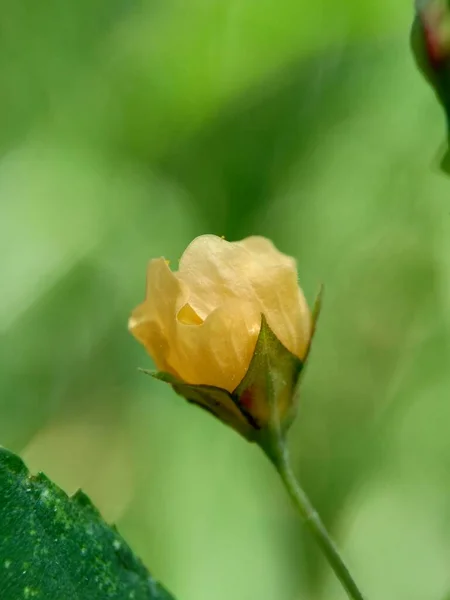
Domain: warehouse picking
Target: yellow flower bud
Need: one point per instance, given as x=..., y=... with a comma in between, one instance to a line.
x=204, y=324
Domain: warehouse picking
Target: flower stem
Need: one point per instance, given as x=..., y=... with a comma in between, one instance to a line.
x=280, y=458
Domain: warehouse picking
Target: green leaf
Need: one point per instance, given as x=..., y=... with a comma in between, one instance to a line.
x=53, y=547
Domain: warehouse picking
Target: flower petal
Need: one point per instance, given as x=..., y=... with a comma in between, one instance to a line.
x=188, y=316
x=254, y=272
x=153, y=322
x=219, y=351
x=149, y=334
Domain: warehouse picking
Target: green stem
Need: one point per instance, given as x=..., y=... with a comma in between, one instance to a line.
x=279, y=456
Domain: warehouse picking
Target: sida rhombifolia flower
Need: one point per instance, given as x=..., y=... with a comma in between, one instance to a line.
x=230, y=331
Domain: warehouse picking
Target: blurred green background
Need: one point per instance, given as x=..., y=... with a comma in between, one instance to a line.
x=126, y=129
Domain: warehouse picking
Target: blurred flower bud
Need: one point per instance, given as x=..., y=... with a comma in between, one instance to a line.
x=430, y=41
x=434, y=17
x=229, y=330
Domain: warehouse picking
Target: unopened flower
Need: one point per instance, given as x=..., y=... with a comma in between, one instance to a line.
x=229, y=330
x=430, y=42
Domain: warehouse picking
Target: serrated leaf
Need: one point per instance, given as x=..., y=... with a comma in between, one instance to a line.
x=55, y=547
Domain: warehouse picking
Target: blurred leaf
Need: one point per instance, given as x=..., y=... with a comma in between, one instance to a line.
x=42, y=50
x=251, y=148
x=166, y=72
x=396, y=539
x=53, y=546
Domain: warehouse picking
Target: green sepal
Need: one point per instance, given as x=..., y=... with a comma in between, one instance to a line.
x=267, y=391
x=274, y=372
x=215, y=400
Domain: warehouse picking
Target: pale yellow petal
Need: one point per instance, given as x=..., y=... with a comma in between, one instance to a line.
x=153, y=322
x=212, y=269
x=188, y=316
x=219, y=351
x=285, y=308
x=150, y=335
x=165, y=293
x=265, y=250
x=256, y=273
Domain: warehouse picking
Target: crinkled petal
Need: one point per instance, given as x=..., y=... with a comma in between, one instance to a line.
x=154, y=321
x=217, y=352
x=149, y=334
x=265, y=251
x=254, y=272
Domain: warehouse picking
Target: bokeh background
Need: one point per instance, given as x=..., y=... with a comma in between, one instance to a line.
x=126, y=129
